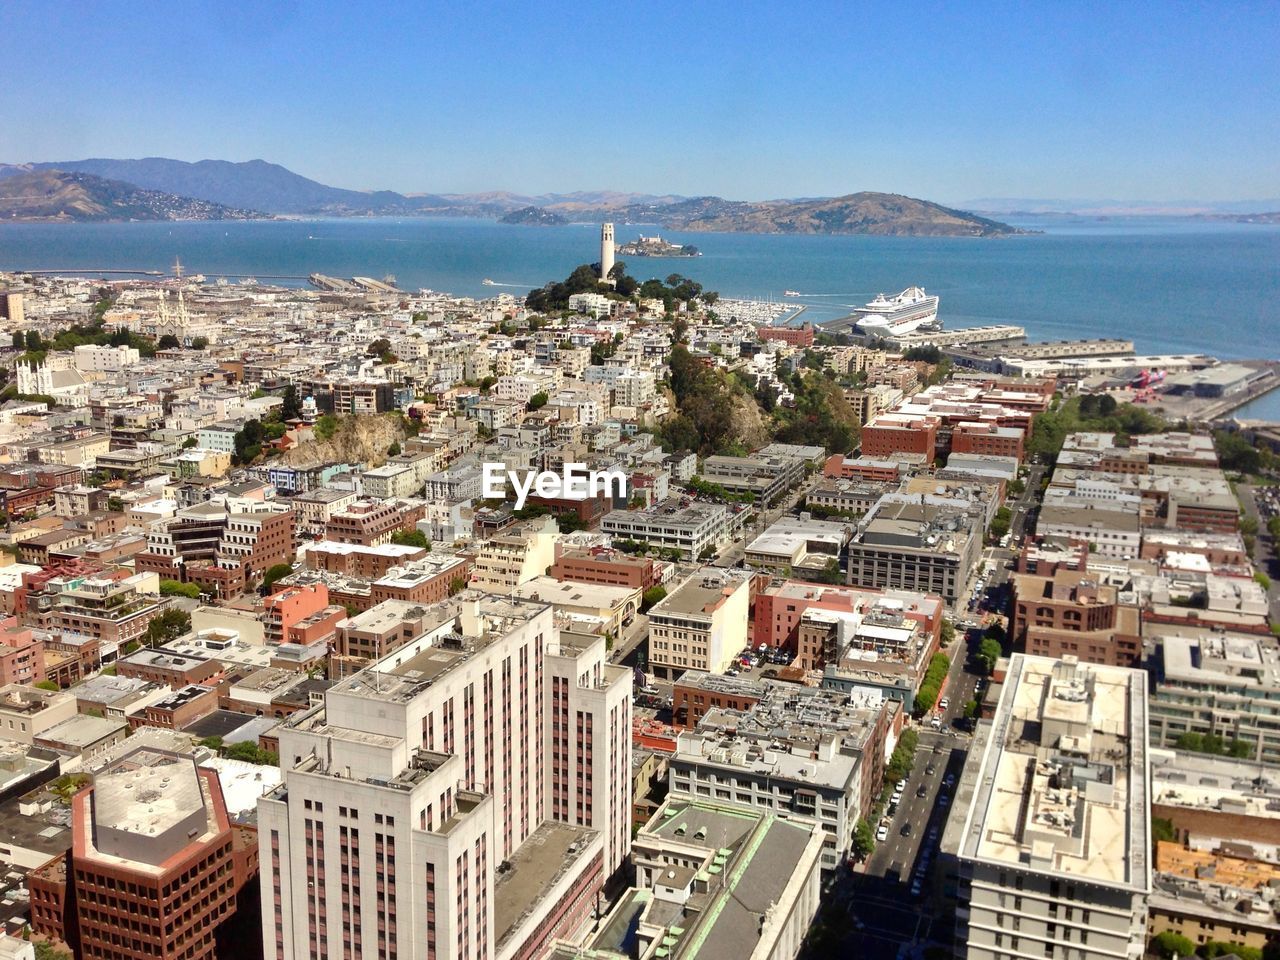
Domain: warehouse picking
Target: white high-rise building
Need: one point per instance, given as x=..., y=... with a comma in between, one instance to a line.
x=1052, y=822
x=606, y=250
x=463, y=797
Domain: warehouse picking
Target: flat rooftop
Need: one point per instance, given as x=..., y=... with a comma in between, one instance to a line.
x=547, y=855
x=699, y=595
x=1062, y=785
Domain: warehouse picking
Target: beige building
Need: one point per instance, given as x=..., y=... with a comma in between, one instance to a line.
x=516, y=556
x=594, y=608
x=713, y=882
x=26, y=712
x=1052, y=820
x=434, y=772
x=702, y=625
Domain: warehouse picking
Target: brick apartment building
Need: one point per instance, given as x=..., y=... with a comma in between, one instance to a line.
x=21, y=653
x=987, y=439
x=892, y=433
x=368, y=523
x=1069, y=612
x=611, y=568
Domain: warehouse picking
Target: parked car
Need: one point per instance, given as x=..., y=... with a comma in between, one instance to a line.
x=944, y=703
x=902, y=785
x=882, y=834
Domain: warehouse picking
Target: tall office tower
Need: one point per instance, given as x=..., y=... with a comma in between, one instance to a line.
x=413, y=820
x=589, y=746
x=1052, y=823
x=606, y=250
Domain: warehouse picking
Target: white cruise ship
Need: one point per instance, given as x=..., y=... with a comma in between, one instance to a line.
x=909, y=311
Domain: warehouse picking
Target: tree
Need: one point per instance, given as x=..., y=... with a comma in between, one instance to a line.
x=291, y=407
x=971, y=709
x=411, y=538
x=174, y=588
x=168, y=342
x=1162, y=829
x=1000, y=523
x=249, y=752
x=169, y=625
x=1169, y=944
x=47, y=685
x=1234, y=451
x=190, y=443
x=538, y=400
x=115, y=504
x=903, y=755
x=653, y=595
x=394, y=449
x=989, y=651
x=199, y=343
x=19, y=341
x=864, y=839
x=277, y=572
x=326, y=426
x=47, y=951
x=1218, y=948
x=33, y=341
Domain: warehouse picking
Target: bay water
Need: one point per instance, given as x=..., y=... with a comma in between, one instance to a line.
x=1170, y=285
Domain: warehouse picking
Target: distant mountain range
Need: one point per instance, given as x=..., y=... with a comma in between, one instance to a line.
x=1228, y=209
x=59, y=195
x=258, y=185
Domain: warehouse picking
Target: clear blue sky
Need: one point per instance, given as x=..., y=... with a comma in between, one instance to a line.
x=951, y=102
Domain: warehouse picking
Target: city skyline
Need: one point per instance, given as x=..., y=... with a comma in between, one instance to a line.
x=1132, y=104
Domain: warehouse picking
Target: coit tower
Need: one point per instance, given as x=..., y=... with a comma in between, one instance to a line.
x=606, y=250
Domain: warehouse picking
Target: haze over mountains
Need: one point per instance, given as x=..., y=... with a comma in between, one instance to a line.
x=258, y=185
x=60, y=195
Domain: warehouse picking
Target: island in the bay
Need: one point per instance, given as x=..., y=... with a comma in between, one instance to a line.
x=657, y=247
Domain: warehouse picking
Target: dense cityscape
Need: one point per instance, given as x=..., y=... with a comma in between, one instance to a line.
x=321, y=640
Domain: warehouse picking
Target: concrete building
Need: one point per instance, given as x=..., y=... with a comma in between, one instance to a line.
x=920, y=543
x=764, y=478
x=594, y=608
x=817, y=754
x=155, y=865
x=429, y=770
x=692, y=531
x=701, y=625
x=799, y=544
x=515, y=556
x=606, y=250
x=712, y=882
x=1215, y=684
x=1051, y=824
x=1215, y=879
